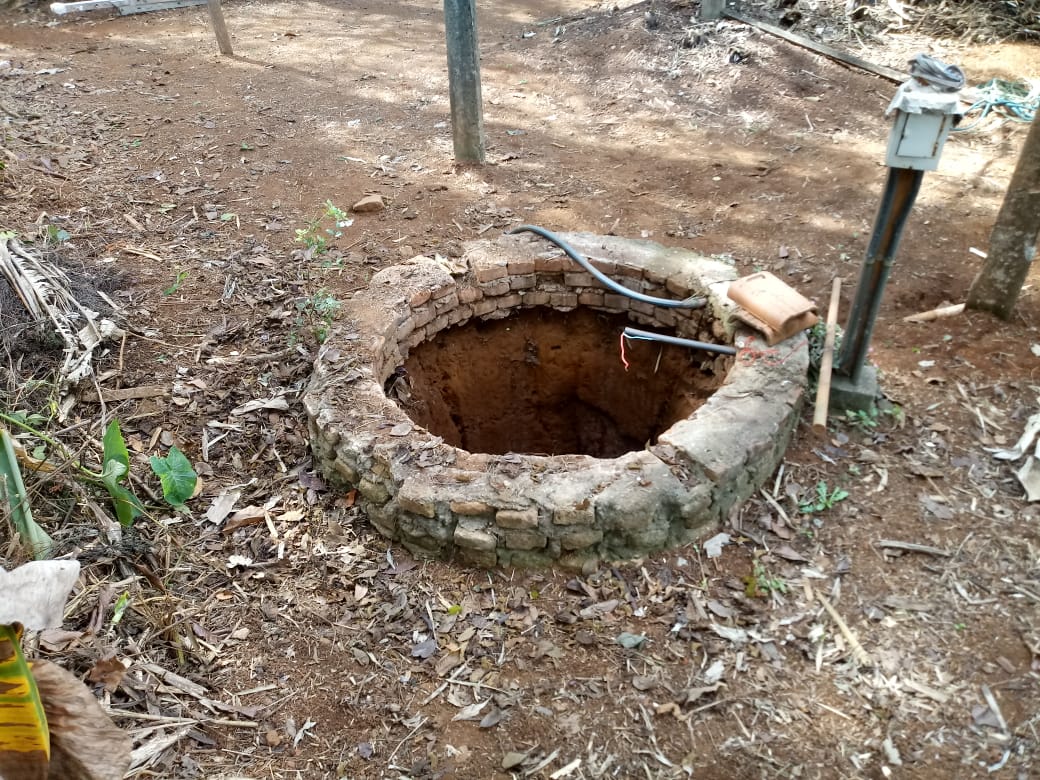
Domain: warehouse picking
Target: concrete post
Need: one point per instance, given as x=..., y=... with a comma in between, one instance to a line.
x=712, y=9
x=467, y=115
x=216, y=17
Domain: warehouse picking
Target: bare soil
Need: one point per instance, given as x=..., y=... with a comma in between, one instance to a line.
x=545, y=382
x=271, y=633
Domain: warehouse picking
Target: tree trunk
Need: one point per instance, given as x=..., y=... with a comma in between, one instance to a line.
x=1012, y=244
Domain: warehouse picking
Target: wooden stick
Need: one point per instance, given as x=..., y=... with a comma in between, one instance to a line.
x=216, y=17
x=819, y=48
x=936, y=314
x=858, y=653
x=893, y=544
x=823, y=388
x=115, y=395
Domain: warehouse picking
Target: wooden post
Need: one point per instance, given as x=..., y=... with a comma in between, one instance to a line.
x=712, y=9
x=823, y=387
x=216, y=16
x=467, y=115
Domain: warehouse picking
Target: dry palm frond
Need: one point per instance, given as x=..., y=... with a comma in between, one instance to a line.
x=44, y=290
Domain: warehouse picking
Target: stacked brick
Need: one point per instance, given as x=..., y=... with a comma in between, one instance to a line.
x=527, y=510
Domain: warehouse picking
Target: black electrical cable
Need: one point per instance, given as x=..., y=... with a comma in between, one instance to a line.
x=688, y=303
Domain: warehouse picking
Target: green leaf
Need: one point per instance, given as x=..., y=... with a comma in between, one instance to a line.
x=177, y=476
x=120, y=607
x=13, y=489
x=115, y=450
x=127, y=505
x=24, y=739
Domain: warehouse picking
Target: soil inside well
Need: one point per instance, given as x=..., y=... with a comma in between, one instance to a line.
x=548, y=382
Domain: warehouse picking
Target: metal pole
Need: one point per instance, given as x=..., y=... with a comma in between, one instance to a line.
x=467, y=117
x=646, y=335
x=901, y=189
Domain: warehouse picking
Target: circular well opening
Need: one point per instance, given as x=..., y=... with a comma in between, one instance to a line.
x=509, y=355
x=548, y=382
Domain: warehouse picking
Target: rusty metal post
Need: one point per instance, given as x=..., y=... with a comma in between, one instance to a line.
x=925, y=108
x=901, y=189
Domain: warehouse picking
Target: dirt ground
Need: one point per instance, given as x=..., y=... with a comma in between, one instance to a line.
x=281, y=637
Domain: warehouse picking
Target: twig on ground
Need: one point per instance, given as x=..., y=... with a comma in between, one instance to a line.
x=858, y=653
x=893, y=544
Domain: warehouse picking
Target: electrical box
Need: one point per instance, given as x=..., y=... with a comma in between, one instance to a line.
x=924, y=117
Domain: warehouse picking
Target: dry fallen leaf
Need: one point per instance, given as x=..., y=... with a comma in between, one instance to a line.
x=222, y=506
x=85, y=744
x=448, y=662
x=278, y=403
x=690, y=695
x=109, y=672
x=643, y=683
x=425, y=649
x=737, y=635
x=34, y=594
x=713, y=547
x=491, y=719
x=788, y=553
x=513, y=759
x=471, y=711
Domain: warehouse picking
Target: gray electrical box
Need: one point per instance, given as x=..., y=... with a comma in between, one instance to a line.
x=924, y=117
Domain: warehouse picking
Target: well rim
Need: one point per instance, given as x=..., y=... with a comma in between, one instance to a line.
x=517, y=509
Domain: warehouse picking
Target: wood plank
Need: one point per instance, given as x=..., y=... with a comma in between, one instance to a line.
x=827, y=51
x=127, y=393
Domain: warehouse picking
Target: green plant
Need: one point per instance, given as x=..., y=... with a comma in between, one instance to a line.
x=761, y=582
x=120, y=607
x=115, y=473
x=825, y=499
x=317, y=234
x=864, y=420
x=316, y=312
x=817, y=336
x=896, y=413
x=55, y=235
x=12, y=489
x=25, y=733
x=177, y=477
x=178, y=280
